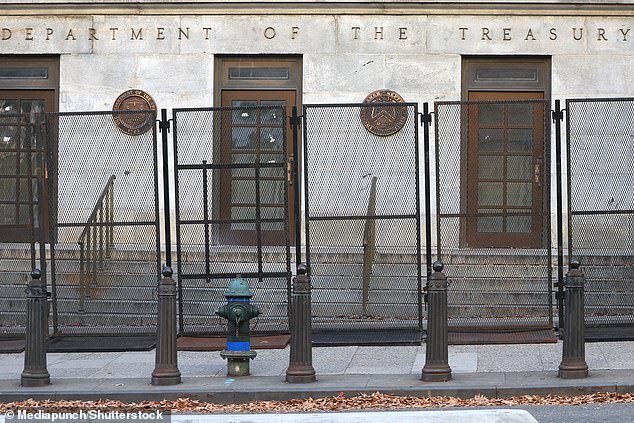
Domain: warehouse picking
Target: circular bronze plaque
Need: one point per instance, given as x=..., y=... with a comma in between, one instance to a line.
x=134, y=123
x=383, y=120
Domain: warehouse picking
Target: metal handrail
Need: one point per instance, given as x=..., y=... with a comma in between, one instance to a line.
x=95, y=245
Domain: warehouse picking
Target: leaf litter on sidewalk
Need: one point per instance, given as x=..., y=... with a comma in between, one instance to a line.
x=340, y=402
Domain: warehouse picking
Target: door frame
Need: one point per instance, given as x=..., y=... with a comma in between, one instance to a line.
x=223, y=81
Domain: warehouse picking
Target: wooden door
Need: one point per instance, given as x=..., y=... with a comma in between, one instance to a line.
x=22, y=162
x=256, y=135
x=505, y=169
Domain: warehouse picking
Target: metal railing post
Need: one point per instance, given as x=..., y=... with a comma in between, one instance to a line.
x=166, y=366
x=300, y=368
x=101, y=239
x=436, y=367
x=82, y=278
x=573, y=364
x=35, y=372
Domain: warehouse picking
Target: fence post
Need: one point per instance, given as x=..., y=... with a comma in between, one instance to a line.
x=300, y=368
x=166, y=367
x=35, y=372
x=436, y=367
x=573, y=364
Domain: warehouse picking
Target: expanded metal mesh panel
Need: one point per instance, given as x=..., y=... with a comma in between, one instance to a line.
x=232, y=213
x=493, y=212
x=104, y=209
x=601, y=205
x=363, y=218
x=22, y=153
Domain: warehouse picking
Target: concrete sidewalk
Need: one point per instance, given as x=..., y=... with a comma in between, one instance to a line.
x=490, y=370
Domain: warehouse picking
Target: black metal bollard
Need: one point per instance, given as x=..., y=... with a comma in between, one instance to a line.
x=436, y=367
x=573, y=363
x=35, y=372
x=300, y=368
x=166, y=368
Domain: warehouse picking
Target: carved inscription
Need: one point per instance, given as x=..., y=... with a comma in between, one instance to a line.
x=618, y=33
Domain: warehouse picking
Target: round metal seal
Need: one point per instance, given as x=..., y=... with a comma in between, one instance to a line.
x=383, y=120
x=134, y=123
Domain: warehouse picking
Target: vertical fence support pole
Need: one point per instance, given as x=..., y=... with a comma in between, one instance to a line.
x=164, y=126
x=573, y=364
x=35, y=372
x=166, y=366
x=436, y=367
x=296, y=188
x=369, y=246
x=558, y=116
x=426, y=120
x=300, y=368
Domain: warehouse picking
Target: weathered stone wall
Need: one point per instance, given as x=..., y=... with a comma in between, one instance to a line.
x=344, y=57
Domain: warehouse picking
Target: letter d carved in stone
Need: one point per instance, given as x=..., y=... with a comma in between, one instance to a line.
x=6, y=34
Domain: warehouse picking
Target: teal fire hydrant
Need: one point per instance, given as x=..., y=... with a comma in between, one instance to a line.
x=238, y=311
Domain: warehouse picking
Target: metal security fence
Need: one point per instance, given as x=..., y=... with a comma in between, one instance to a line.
x=232, y=215
x=22, y=235
x=493, y=212
x=363, y=219
x=600, y=147
x=103, y=189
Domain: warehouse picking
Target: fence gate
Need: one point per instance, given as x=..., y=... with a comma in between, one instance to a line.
x=232, y=215
x=493, y=215
x=363, y=228
x=601, y=210
x=103, y=189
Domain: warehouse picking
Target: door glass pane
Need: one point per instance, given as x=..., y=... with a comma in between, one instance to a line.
x=240, y=213
x=32, y=106
x=242, y=137
x=244, y=116
x=272, y=192
x=519, y=167
x=519, y=194
x=272, y=158
x=521, y=114
x=242, y=191
x=519, y=223
x=243, y=158
x=243, y=172
x=490, y=223
x=243, y=213
x=273, y=172
x=274, y=116
x=490, y=193
x=520, y=140
x=8, y=134
x=7, y=214
x=490, y=139
x=7, y=163
x=490, y=114
x=491, y=167
x=9, y=106
x=7, y=189
x=25, y=215
x=271, y=138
